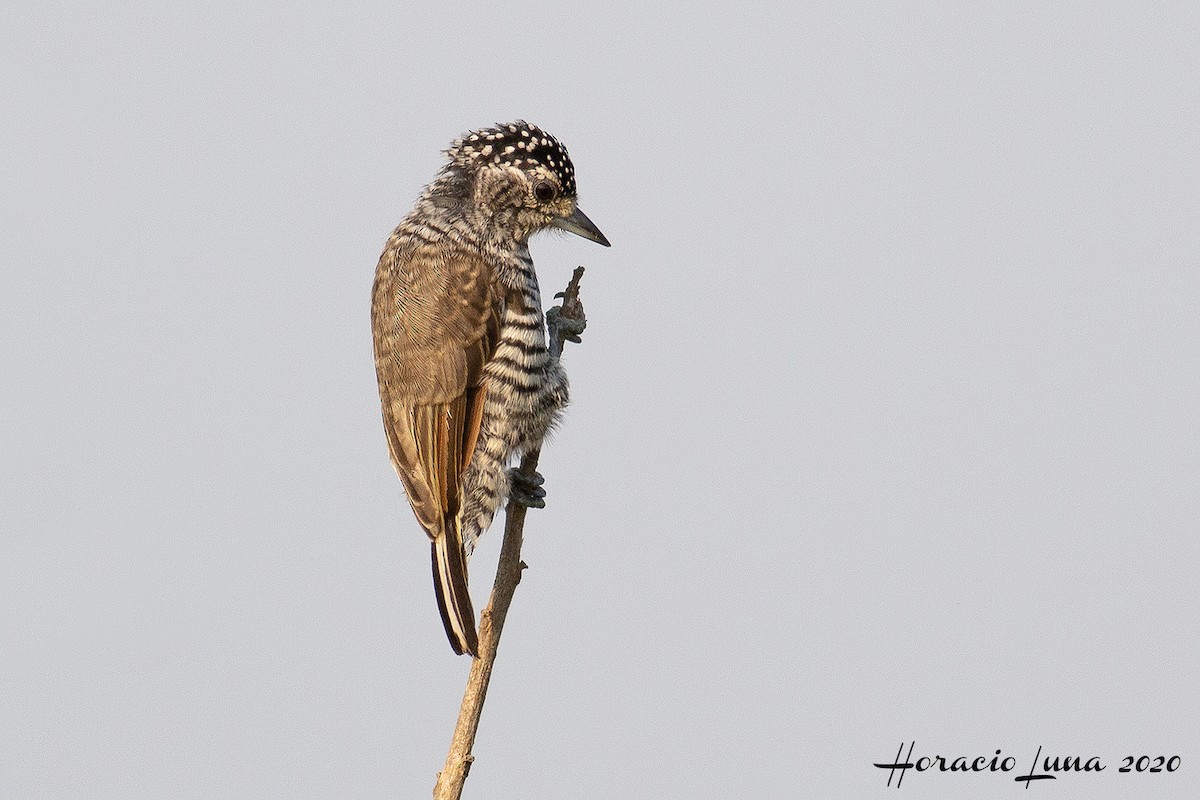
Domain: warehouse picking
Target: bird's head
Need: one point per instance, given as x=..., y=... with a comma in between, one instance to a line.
x=520, y=179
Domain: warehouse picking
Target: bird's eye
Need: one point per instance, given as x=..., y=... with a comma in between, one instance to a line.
x=544, y=192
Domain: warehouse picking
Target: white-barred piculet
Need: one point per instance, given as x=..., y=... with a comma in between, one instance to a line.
x=466, y=379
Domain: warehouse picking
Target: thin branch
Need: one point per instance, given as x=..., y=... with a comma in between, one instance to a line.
x=508, y=574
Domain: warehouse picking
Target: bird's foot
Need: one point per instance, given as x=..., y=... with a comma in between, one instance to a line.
x=526, y=489
x=566, y=326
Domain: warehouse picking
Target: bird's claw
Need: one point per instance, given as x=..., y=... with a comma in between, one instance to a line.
x=526, y=489
x=566, y=328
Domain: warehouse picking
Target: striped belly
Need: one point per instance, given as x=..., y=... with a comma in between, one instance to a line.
x=526, y=391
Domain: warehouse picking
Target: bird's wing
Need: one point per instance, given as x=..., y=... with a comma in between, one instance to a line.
x=436, y=321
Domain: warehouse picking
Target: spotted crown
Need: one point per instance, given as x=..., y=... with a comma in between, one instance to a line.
x=517, y=144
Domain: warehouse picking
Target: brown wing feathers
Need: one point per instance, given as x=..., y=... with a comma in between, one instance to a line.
x=440, y=323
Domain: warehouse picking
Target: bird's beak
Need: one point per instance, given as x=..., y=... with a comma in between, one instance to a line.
x=580, y=225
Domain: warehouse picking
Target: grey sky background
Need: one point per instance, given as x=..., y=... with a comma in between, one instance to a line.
x=884, y=427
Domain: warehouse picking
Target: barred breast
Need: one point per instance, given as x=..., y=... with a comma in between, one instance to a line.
x=526, y=392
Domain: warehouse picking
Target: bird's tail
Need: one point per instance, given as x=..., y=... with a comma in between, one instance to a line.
x=454, y=601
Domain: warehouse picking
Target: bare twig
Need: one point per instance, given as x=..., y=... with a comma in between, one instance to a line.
x=508, y=574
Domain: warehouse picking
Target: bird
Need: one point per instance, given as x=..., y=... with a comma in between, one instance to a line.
x=466, y=379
